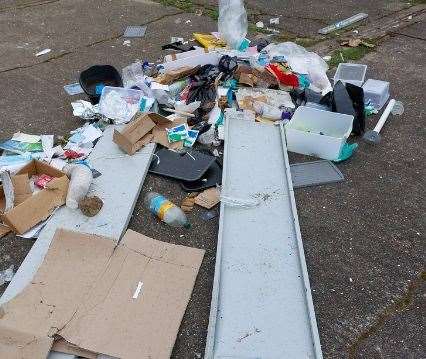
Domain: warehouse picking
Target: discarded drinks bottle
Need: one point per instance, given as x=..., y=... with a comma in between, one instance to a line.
x=166, y=210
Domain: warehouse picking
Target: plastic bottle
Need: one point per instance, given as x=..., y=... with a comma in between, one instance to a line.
x=166, y=210
x=80, y=179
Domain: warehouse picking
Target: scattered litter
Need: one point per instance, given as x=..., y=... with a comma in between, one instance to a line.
x=318, y=133
x=104, y=75
x=127, y=43
x=43, y=52
x=376, y=93
x=274, y=21
x=73, y=89
x=356, y=43
x=208, y=215
x=178, y=133
x=137, y=290
x=80, y=179
x=23, y=137
x=19, y=218
x=208, y=198
x=4, y=230
x=352, y=73
x=186, y=166
x=90, y=206
x=260, y=25
x=394, y=107
x=211, y=178
x=74, y=256
x=6, y=275
x=85, y=110
x=176, y=39
x=314, y=173
x=343, y=23
x=166, y=211
x=42, y=181
x=188, y=202
x=135, y=31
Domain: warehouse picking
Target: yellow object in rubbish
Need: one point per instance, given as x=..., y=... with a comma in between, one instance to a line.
x=209, y=41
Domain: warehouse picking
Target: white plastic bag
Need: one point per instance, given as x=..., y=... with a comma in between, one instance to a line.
x=232, y=23
x=80, y=179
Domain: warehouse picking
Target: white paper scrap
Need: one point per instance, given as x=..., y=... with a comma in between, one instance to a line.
x=43, y=52
x=138, y=290
x=24, y=137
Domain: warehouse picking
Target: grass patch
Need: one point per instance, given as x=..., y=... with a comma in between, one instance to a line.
x=186, y=5
x=213, y=13
x=345, y=54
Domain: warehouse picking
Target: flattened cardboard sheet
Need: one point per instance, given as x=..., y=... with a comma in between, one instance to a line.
x=87, y=285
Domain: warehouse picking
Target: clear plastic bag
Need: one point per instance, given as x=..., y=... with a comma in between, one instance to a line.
x=132, y=74
x=232, y=23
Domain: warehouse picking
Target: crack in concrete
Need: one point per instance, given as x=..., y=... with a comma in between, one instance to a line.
x=399, y=306
x=27, y=5
x=407, y=35
x=59, y=56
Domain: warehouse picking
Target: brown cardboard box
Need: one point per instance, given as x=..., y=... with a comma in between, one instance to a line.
x=39, y=206
x=4, y=230
x=146, y=128
x=86, y=292
x=21, y=188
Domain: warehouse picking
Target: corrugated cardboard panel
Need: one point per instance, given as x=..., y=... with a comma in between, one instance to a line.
x=84, y=291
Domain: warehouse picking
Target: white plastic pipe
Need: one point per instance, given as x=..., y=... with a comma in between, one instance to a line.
x=393, y=106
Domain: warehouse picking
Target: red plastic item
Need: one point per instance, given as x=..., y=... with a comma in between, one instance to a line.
x=43, y=180
x=287, y=79
x=72, y=155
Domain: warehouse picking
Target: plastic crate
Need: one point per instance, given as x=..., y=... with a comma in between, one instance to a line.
x=318, y=133
x=376, y=92
x=352, y=73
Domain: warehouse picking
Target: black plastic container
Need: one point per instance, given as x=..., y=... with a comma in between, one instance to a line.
x=106, y=75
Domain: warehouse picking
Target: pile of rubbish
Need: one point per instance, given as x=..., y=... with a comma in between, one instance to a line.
x=182, y=106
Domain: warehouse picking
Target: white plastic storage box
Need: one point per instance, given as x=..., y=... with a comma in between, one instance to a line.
x=376, y=92
x=318, y=133
x=352, y=73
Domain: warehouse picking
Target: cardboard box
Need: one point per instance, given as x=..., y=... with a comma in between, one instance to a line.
x=146, y=128
x=125, y=300
x=39, y=206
